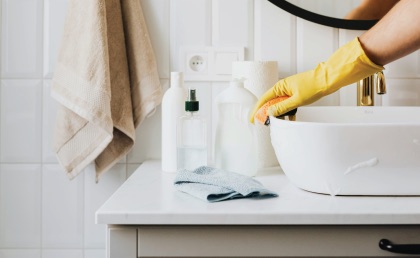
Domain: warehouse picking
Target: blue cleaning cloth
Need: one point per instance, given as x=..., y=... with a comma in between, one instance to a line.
x=214, y=185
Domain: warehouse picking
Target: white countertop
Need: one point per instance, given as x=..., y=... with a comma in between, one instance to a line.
x=149, y=198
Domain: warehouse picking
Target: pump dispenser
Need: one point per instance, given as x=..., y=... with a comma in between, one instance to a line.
x=235, y=148
x=191, y=135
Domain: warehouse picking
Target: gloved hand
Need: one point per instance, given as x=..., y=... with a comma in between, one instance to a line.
x=347, y=65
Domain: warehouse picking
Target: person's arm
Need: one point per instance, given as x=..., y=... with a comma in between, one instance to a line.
x=371, y=10
x=396, y=35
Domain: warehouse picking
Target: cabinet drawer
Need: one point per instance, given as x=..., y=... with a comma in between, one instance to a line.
x=272, y=241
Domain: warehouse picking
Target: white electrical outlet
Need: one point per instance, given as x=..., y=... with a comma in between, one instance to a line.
x=208, y=63
x=194, y=63
x=198, y=63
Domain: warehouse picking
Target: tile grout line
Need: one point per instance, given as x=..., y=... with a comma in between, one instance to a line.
x=1, y=91
x=43, y=82
x=1, y=72
x=83, y=214
x=251, y=36
x=1, y=37
x=42, y=13
x=294, y=39
x=41, y=209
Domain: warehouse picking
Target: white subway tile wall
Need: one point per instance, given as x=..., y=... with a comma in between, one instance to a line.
x=402, y=92
x=62, y=209
x=95, y=253
x=21, y=121
x=19, y=253
x=49, y=112
x=54, y=13
x=275, y=37
x=20, y=205
x=95, y=195
x=42, y=213
x=232, y=25
x=21, y=41
x=51, y=253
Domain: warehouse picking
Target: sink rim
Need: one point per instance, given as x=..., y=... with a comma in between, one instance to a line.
x=365, y=109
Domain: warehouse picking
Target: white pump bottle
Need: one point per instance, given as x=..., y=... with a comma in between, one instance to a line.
x=172, y=109
x=235, y=148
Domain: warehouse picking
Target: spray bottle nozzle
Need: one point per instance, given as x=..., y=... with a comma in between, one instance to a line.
x=191, y=95
x=191, y=104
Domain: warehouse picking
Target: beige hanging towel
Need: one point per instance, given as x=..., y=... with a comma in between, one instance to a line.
x=106, y=82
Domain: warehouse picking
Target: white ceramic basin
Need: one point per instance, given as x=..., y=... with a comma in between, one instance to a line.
x=351, y=150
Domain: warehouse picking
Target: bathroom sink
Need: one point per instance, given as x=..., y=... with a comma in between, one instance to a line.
x=351, y=150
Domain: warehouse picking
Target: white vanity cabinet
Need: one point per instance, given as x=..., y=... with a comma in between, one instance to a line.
x=147, y=217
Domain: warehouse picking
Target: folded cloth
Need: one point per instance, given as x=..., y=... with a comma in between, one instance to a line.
x=214, y=185
x=105, y=81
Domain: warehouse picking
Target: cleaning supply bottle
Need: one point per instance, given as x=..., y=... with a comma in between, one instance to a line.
x=191, y=135
x=235, y=147
x=172, y=109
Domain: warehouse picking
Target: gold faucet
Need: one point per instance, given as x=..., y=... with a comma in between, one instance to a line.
x=365, y=93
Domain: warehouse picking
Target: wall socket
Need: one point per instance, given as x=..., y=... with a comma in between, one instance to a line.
x=198, y=63
x=209, y=63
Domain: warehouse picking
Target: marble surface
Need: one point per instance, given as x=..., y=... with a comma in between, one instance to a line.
x=149, y=198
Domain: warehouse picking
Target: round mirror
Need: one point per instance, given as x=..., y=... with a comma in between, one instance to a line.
x=346, y=14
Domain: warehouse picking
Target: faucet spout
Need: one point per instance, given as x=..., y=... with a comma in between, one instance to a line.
x=380, y=83
x=365, y=96
x=365, y=89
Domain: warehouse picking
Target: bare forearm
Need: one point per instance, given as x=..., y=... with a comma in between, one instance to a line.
x=371, y=10
x=397, y=34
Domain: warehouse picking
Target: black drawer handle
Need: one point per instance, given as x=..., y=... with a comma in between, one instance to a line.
x=387, y=245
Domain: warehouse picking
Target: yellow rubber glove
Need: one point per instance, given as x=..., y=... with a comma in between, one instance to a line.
x=346, y=66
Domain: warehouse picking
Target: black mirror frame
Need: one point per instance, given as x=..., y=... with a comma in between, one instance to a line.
x=323, y=20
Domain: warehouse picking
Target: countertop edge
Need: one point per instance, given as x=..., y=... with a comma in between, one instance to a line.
x=327, y=210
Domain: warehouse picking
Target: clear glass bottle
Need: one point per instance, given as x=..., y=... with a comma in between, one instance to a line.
x=191, y=136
